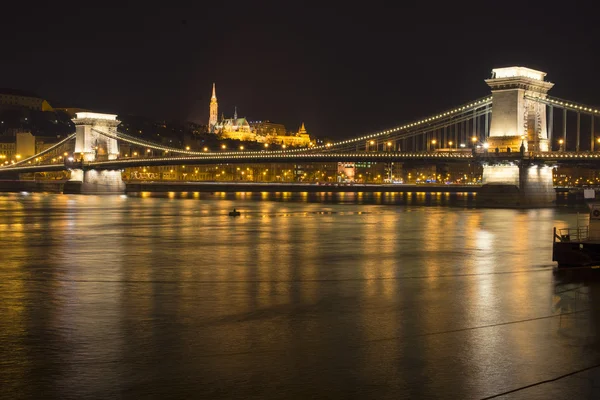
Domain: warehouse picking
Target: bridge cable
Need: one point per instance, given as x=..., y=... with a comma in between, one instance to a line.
x=49, y=149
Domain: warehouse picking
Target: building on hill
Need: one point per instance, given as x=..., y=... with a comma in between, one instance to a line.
x=258, y=131
x=268, y=128
x=14, y=98
x=235, y=128
x=298, y=139
x=213, y=111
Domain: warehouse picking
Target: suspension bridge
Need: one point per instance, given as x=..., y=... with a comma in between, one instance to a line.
x=518, y=134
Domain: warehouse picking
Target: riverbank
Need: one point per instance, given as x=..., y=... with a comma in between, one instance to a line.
x=564, y=196
x=231, y=187
x=8, y=186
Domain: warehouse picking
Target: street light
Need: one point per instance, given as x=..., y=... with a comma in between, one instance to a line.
x=187, y=148
x=433, y=142
x=450, y=144
x=241, y=147
x=205, y=149
x=223, y=146
x=560, y=142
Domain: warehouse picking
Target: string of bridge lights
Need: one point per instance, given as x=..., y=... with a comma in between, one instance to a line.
x=570, y=104
x=286, y=153
x=467, y=107
x=219, y=157
x=121, y=163
x=127, y=138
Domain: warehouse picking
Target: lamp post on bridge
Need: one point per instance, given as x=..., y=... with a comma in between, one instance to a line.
x=433, y=142
x=560, y=143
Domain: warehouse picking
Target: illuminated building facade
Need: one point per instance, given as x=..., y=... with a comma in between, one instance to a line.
x=299, y=139
x=264, y=132
x=235, y=128
x=213, y=111
x=13, y=148
x=12, y=98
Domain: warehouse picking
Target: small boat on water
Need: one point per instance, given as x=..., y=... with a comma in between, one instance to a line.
x=579, y=247
x=234, y=213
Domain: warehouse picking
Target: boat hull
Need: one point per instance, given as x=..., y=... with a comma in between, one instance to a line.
x=576, y=254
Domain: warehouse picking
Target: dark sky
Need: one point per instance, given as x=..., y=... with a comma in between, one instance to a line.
x=342, y=70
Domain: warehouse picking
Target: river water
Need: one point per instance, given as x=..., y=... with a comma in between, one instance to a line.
x=146, y=297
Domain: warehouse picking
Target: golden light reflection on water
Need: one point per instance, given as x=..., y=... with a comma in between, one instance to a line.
x=141, y=277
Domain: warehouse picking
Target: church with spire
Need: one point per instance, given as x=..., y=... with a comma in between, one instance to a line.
x=240, y=129
x=214, y=111
x=228, y=128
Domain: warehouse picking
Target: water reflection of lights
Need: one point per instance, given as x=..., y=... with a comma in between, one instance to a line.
x=484, y=240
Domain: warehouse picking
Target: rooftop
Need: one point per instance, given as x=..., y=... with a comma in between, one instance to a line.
x=513, y=72
x=81, y=115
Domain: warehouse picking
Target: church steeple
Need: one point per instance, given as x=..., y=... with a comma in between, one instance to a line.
x=235, y=113
x=214, y=107
x=302, y=129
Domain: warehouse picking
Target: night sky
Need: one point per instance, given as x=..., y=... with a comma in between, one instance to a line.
x=344, y=71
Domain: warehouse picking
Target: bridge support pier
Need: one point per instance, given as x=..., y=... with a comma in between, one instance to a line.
x=94, y=182
x=517, y=185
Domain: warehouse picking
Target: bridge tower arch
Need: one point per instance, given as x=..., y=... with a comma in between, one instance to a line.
x=517, y=118
x=90, y=144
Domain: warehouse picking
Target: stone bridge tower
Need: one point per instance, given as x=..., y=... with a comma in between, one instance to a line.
x=516, y=118
x=91, y=144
